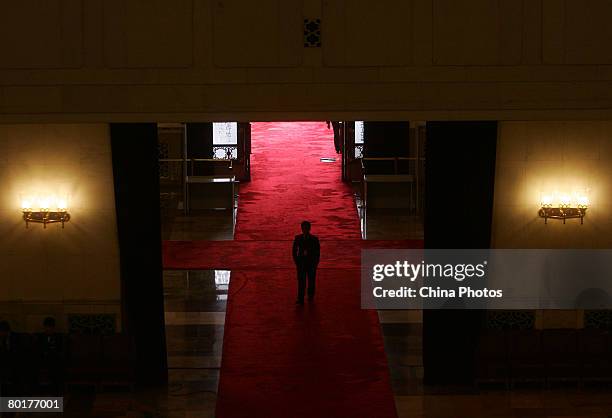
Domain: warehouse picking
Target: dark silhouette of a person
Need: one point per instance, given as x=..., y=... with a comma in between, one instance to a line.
x=51, y=350
x=337, y=140
x=14, y=370
x=306, y=254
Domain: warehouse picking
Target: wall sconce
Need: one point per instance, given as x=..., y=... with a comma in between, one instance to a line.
x=563, y=207
x=44, y=215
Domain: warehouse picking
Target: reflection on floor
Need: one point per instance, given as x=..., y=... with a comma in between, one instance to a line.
x=191, y=394
x=195, y=303
x=187, y=395
x=403, y=337
x=212, y=224
x=387, y=224
x=216, y=225
x=391, y=224
x=590, y=403
x=402, y=330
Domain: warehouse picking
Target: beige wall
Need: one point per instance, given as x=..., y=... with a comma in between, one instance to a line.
x=543, y=157
x=540, y=157
x=169, y=60
x=54, y=270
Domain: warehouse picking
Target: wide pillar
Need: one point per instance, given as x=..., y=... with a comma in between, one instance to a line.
x=136, y=177
x=460, y=177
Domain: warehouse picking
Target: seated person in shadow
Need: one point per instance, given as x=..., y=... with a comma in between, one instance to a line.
x=14, y=370
x=306, y=253
x=50, y=348
x=5, y=350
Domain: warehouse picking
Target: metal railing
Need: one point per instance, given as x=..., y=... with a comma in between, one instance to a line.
x=416, y=168
x=176, y=172
x=191, y=162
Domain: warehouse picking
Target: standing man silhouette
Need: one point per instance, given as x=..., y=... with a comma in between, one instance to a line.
x=306, y=253
x=337, y=139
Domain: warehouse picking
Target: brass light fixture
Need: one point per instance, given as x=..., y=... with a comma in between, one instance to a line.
x=563, y=207
x=44, y=215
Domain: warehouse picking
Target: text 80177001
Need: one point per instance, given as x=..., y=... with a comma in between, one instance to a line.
x=23, y=404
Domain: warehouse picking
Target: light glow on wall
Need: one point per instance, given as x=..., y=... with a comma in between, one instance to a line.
x=44, y=203
x=563, y=206
x=564, y=199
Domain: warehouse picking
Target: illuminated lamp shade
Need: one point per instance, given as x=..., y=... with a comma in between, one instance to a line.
x=26, y=204
x=563, y=206
x=48, y=210
x=583, y=201
x=62, y=204
x=565, y=201
x=546, y=200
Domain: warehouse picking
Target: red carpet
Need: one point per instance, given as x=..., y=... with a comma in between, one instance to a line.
x=290, y=184
x=325, y=359
x=258, y=255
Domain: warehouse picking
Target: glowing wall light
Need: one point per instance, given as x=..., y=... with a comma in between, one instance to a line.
x=45, y=210
x=563, y=206
x=546, y=201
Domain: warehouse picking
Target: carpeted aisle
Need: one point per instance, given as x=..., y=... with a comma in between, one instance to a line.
x=324, y=359
x=290, y=183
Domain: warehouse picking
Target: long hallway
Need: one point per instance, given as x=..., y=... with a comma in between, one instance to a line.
x=290, y=183
x=323, y=359
x=280, y=360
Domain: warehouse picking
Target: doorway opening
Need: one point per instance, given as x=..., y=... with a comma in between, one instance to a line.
x=277, y=174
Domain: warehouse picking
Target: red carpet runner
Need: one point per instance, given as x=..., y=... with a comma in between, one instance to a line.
x=324, y=359
x=290, y=184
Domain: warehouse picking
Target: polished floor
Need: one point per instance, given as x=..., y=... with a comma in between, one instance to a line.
x=387, y=224
x=191, y=394
x=195, y=303
x=210, y=225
